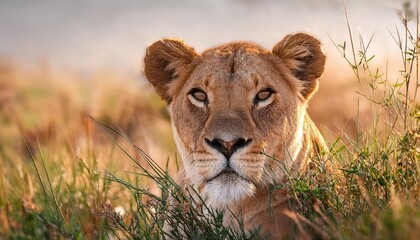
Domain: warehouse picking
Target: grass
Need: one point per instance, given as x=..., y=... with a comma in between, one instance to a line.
x=74, y=160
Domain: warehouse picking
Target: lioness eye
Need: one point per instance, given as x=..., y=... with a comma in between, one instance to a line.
x=199, y=95
x=263, y=95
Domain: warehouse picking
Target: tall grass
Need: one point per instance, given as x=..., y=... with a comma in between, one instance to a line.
x=88, y=176
x=53, y=157
x=379, y=170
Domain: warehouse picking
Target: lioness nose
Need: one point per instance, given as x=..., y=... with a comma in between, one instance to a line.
x=227, y=148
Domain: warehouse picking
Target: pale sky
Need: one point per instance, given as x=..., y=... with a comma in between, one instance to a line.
x=89, y=35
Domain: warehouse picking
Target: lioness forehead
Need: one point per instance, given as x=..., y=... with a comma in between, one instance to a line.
x=234, y=48
x=234, y=61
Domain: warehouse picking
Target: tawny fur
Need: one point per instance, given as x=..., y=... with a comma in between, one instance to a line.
x=232, y=75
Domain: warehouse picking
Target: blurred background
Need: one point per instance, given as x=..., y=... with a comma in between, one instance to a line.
x=61, y=61
x=97, y=34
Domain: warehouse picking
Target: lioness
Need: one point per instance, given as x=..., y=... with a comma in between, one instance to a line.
x=232, y=107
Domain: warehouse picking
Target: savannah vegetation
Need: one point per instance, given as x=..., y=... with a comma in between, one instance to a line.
x=91, y=158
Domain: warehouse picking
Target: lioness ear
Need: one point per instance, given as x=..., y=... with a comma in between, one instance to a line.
x=304, y=56
x=165, y=61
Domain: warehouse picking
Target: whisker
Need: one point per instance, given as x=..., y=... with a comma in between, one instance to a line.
x=205, y=160
x=250, y=160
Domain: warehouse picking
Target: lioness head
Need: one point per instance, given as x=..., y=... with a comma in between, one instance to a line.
x=233, y=106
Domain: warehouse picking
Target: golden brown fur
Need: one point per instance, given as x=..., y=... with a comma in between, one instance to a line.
x=231, y=107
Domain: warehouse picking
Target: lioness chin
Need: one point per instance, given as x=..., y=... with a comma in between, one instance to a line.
x=240, y=122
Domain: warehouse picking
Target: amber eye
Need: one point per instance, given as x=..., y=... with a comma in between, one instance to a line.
x=199, y=95
x=263, y=95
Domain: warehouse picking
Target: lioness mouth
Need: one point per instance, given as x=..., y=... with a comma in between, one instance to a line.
x=227, y=170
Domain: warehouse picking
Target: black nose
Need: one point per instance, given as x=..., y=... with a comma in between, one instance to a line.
x=227, y=148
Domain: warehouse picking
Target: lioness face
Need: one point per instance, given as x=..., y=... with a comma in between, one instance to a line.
x=231, y=110
x=232, y=107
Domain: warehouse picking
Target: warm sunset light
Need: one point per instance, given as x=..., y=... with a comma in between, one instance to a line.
x=224, y=119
